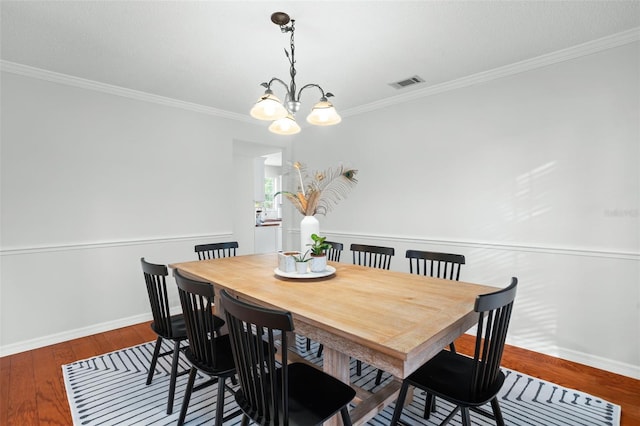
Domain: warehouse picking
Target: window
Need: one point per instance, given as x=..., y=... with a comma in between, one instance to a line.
x=271, y=187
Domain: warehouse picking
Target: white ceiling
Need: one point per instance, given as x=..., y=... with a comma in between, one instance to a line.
x=216, y=53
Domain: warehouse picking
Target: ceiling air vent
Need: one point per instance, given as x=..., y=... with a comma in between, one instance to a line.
x=407, y=82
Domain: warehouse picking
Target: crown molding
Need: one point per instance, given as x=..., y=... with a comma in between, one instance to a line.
x=584, y=49
x=573, y=52
x=55, y=77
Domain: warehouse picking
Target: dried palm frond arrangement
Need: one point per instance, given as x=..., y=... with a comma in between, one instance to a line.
x=319, y=192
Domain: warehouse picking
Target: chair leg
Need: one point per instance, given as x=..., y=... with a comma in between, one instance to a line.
x=466, y=419
x=308, y=344
x=453, y=414
x=400, y=403
x=245, y=420
x=220, y=400
x=346, y=419
x=154, y=359
x=452, y=347
x=187, y=396
x=378, y=377
x=359, y=367
x=320, y=348
x=429, y=405
x=497, y=412
x=174, y=375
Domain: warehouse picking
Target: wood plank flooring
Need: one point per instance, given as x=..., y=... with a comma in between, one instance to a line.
x=32, y=388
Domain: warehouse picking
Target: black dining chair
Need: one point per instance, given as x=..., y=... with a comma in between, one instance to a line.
x=435, y=264
x=333, y=255
x=208, y=351
x=373, y=257
x=275, y=392
x=165, y=325
x=438, y=265
x=216, y=250
x=468, y=382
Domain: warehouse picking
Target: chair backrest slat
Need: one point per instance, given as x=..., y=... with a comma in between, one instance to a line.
x=155, y=278
x=372, y=256
x=216, y=250
x=333, y=254
x=434, y=264
x=494, y=312
x=197, y=300
x=263, y=380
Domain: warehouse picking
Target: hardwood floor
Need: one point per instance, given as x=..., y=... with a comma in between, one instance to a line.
x=32, y=388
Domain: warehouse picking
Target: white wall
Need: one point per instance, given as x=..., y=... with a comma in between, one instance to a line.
x=535, y=175
x=91, y=182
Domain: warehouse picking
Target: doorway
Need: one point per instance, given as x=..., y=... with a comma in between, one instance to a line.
x=249, y=188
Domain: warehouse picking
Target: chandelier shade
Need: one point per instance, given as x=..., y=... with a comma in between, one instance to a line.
x=268, y=107
x=282, y=114
x=323, y=114
x=285, y=126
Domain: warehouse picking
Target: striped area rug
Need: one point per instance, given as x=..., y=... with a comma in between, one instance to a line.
x=110, y=390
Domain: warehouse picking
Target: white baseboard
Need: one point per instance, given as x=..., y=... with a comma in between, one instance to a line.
x=52, y=339
x=600, y=363
x=617, y=367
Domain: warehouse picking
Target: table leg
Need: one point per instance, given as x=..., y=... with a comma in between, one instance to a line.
x=218, y=310
x=336, y=364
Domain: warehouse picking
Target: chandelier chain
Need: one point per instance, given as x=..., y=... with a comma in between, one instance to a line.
x=292, y=61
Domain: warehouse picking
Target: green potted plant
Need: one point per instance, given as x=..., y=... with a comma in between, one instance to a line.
x=301, y=262
x=319, y=248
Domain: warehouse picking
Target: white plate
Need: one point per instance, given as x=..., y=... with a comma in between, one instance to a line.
x=329, y=271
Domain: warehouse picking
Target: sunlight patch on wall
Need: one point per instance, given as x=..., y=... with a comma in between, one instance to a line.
x=532, y=192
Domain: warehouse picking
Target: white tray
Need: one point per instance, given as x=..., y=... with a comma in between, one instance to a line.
x=329, y=271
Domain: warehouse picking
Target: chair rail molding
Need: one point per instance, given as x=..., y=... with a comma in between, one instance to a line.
x=13, y=251
x=494, y=245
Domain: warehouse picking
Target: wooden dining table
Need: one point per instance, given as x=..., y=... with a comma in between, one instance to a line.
x=391, y=320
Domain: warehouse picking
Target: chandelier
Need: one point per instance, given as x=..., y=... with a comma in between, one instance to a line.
x=269, y=107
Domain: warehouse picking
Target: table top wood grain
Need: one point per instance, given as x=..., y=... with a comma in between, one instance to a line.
x=393, y=320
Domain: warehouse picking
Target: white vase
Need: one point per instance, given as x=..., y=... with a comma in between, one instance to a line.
x=309, y=225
